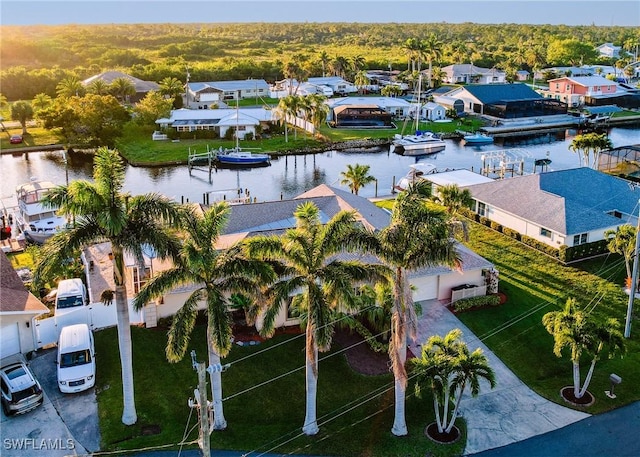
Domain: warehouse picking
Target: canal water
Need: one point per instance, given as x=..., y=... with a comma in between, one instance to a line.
x=287, y=177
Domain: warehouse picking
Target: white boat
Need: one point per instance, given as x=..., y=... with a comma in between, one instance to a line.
x=237, y=156
x=419, y=144
x=477, y=139
x=37, y=222
x=416, y=173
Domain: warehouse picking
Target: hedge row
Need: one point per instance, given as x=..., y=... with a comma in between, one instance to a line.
x=476, y=302
x=563, y=253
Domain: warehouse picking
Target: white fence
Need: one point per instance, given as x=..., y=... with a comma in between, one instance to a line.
x=474, y=291
x=96, y=315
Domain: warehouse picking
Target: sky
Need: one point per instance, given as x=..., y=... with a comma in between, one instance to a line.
x=568, y=12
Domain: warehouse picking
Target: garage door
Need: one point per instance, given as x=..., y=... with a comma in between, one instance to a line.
x=9, y=340
x=426, y=288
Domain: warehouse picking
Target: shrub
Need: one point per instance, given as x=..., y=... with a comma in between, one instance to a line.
x=511, y=233
x=476, y=302
x=495, y=226
x=485, y=221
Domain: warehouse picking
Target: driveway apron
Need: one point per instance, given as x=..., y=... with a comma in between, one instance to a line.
x=511, y=412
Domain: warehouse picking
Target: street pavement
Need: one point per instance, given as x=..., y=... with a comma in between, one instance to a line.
x=509, y=413
x=614, y=433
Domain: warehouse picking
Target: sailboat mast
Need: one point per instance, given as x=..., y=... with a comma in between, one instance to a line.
x=237, y=120
x=419, y=103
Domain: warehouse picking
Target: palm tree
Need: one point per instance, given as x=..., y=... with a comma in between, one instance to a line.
x=324, y=60
x=98, y=87
x=589, y=144
x=417, y=237
x=41, y=101
x=410, y=47
x=319, y=110
x=122, y=88
x=70, y=87
x=582, y=334
x=622, y=241
x=103, y=213
x=216, y=274
x=356, y=176
x=447, y=367
x=22, y=112
x=288, y=107
x=322, y=282
x=361, y=80
x=431, y=49
x=454, y=199
x=171, y=87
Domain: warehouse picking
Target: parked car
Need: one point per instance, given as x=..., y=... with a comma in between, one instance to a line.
x=15, y=139
x=71, y=295
x=76, y=359
x=21, y=391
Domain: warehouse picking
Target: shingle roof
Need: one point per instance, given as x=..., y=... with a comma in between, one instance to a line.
x=109, y=76
x=14, y=296
x=567, y=201
x=278, y=215
x=230, y=85
x=492, y=93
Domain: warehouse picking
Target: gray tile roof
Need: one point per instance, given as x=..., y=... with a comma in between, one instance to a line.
x=493, y=93
x=567, y=201
x=278, y=215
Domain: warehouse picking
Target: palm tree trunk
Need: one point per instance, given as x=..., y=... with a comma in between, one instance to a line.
x=219, y=422
x=455, y=410
x=436, y=407
x=587, y=380
x=129, y=416
x=398, y=354
x=310, y=426
x=576, y=379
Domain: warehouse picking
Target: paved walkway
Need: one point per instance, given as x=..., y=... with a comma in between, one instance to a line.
x=511, y=412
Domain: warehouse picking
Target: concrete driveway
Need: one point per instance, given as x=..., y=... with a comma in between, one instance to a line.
x=509, y=413
x=63, y=425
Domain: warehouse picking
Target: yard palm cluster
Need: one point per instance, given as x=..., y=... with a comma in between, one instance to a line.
x=304, y=268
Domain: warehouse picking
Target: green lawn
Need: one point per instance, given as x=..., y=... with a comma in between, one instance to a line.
x=535, y=285
x=36, y=136
x=259, y=418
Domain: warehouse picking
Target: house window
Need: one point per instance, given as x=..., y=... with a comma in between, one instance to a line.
x=615, y=213
x=291, y=313
x=482, y=209
x=140, y=279
x=545, y=232
x=557, y=86
x=568, y=87
x=580, y=239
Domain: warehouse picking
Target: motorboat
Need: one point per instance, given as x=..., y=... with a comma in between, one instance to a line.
x=477, y=139
x=419, y=144
x=36, y=221
x=237, y=156
x=416, y=172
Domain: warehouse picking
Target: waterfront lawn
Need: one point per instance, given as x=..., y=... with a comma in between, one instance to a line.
x=534, y=285
x=137, y=147
x=260, y=418
x=36, y=136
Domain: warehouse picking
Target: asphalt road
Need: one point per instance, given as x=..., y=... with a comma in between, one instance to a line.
x=610, y=434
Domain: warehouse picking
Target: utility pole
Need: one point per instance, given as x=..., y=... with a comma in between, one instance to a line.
x=634, y=282
x=202, y=403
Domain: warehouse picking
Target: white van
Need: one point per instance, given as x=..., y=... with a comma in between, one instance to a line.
x=71, y=295
x=76, y=359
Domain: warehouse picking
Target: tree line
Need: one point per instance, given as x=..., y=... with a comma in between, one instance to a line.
x=36, y=58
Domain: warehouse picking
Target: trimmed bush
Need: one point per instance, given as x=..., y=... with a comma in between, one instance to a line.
x=511, y=233
x=476, y=302
x=495, y=226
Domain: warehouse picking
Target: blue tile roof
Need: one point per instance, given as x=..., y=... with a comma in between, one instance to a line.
x=569, y=202
x=493, y=93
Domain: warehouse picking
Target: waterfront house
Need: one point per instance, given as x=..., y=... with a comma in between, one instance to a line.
x=469, y=73
x=559, y=208
x=141, y=87
x=577, y=90
x=203, y=95
x=18, y=311
x=247, y=120
x=505, y=101
x=395, y=106
x=273, y=217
